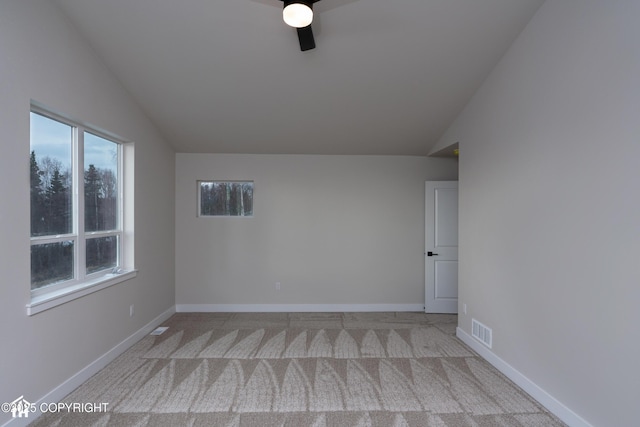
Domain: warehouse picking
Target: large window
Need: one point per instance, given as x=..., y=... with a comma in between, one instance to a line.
x=76, y=204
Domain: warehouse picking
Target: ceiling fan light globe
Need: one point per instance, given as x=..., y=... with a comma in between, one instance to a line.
x=297, y=15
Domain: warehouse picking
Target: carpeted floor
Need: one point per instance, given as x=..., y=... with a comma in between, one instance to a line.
x=303, y=369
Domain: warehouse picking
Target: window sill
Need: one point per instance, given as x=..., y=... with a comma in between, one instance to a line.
x=44, y=302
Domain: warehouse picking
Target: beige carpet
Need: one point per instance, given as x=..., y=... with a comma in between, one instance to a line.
x=303, y=369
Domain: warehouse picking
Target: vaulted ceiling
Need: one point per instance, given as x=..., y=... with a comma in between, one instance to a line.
x=387, y=76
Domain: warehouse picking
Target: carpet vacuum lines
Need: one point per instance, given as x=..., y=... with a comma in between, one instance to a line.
x=217, y=370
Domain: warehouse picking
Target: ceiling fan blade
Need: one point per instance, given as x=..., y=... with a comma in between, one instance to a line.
x=305, y=36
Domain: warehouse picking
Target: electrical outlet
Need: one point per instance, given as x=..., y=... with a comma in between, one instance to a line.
x=277, y=286
x=131, y=310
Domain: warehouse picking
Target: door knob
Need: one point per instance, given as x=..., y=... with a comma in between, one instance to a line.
x=431, y=253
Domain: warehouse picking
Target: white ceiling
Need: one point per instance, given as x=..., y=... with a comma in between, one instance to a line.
x=387, y=76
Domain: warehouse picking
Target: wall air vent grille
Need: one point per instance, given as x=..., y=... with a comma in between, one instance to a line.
x=481, y=332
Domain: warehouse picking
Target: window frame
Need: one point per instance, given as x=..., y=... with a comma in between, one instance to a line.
x=83, y=283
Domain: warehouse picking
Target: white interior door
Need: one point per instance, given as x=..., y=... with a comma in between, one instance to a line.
x=441, y=247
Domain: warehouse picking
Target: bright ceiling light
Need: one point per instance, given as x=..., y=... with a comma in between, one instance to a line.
x=298, y=14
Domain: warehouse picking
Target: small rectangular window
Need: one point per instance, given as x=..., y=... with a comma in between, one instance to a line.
x=51, y=263
x=102, y=254
x=225, y=198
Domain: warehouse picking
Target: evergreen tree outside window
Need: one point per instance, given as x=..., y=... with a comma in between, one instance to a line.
x=100, y=202
x=76, y=203
x=52, y=252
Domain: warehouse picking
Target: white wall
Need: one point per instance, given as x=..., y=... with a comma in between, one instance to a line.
x=550, y=207
x=44, y=59
x=331, y=229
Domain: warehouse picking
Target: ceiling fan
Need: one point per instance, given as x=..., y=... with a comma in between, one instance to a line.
x=299, y=14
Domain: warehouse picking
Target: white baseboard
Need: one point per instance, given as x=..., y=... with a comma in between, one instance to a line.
x=545, y=399
x=88, y=371
x=294, y=308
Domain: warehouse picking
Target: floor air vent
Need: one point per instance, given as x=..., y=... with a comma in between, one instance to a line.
x=481, y=332
x=159, y=330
